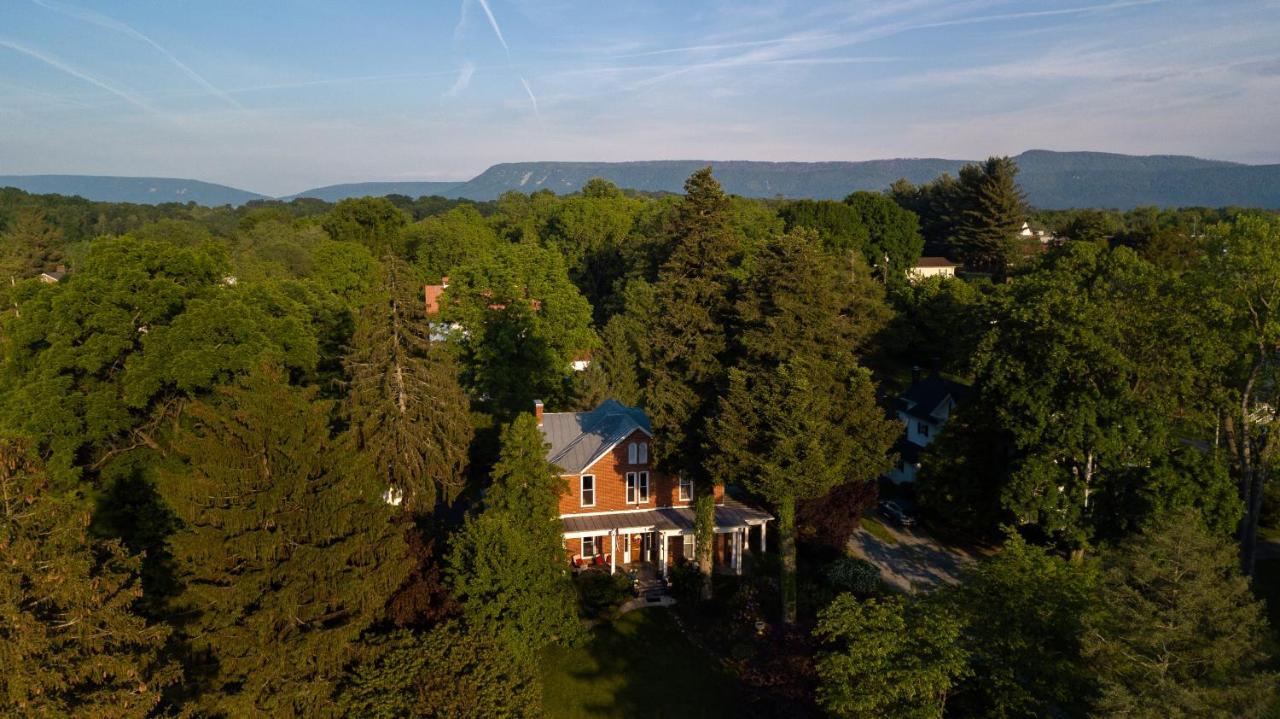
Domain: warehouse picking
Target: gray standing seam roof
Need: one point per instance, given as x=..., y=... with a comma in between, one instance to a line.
x=577, y=438
x=730, y=514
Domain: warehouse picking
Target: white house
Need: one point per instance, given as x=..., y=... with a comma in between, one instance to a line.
x=931, y=267
x=923, y=409
x=1045, y=237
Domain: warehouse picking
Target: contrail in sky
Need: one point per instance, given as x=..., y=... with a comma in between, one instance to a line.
x=493, y=22
x=110, y=23
x=531, y=95
x=60, y=65
x=464, y=78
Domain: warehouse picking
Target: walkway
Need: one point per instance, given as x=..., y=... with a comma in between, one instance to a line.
x=917, y=562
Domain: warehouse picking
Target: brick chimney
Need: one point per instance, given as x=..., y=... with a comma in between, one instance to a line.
x=537, y=411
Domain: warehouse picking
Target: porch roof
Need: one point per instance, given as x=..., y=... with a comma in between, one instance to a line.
x=731, y=514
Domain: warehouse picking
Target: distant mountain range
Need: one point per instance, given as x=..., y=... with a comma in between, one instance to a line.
x=1052, y=180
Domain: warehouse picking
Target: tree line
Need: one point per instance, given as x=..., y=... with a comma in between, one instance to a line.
x=243, y=472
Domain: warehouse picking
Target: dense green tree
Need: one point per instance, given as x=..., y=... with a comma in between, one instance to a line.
x=524, y=323
x=591, y=234
x=837, y=224
x=1091, y=226
x=408, y=415
x=1177, y=631
x=994, y=208
x=441, y=674
x=799, y=416
x=938, y=205
x=508, y=564
x=70, y=643
x=887, y=658
x=28, y=246
x=456, y=238
x=373, y=222
x=894, y=242
x=1082, y=377
x=1239, y=297
x=93, y=364
x=689, y=338
x=285, y=554
x=938, y=323
x=345, y=269
x=1022, y=611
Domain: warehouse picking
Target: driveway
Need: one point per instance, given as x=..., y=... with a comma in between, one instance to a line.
x=917, y=562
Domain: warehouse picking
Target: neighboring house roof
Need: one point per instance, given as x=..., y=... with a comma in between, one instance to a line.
x=55, y=276
x=935, y=262
x=925, y=396
x=579, y=439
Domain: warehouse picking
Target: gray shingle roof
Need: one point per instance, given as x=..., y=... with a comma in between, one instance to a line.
x=577, y=439
x=924, y=397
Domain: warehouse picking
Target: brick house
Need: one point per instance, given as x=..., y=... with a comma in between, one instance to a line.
x=621, y=511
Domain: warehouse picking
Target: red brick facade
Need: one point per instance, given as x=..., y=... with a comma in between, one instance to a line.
x=610, y=473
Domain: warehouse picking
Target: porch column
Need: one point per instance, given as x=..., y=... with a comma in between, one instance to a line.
x=737, y=551
x=764, y=532
x=613, y=551
x=662, y=552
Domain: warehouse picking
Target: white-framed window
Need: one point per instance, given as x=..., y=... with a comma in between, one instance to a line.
x=638, y=453
x=688, y=546
x=588, y=493
x=644, y=487
x=588, y=546
x=644, y=452
x=632, y=453
x=631, y=487
x=686, y=490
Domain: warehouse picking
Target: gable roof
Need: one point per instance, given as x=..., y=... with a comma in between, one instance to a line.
x=935, y=262
x=579, y=439
x=924, y=396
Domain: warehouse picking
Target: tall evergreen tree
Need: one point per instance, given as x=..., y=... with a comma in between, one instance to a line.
x=800, y=416
x=286, y=552
x=29, y=246
x=70, y=643
x=508, y=564
x=408, y=414
x=688, y=341
x=1178, y=633
x=993, y=212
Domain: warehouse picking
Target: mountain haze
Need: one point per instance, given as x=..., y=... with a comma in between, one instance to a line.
x=1052, y=180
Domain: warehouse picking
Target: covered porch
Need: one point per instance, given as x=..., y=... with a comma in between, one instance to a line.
x=653, y=539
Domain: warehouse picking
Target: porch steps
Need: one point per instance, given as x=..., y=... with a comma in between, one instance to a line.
x=651, y=588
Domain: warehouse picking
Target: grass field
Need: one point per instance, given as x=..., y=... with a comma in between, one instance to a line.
x=877, y=529
x=639, y=666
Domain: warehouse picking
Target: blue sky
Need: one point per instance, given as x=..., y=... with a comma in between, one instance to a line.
x=279, y=95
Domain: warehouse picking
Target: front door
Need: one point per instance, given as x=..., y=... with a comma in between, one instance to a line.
x=626, y=549
x=647, y=554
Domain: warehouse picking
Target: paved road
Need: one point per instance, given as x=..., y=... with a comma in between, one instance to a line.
x=917, y=562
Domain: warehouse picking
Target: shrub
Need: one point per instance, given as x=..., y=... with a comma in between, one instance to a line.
x=686, y=581
x=851, y=574
x=598, y=592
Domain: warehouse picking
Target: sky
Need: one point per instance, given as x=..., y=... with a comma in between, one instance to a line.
x=277, y=96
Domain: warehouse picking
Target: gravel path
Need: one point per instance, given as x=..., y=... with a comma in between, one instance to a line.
x=916, y=563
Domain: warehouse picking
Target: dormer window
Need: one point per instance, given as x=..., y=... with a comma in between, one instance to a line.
x=638, y=453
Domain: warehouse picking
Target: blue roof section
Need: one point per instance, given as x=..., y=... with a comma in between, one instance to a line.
x=578, y=439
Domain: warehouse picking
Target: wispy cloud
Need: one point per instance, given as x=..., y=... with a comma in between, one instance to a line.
x=110, y=23
x=464, y=79
x=74, y=72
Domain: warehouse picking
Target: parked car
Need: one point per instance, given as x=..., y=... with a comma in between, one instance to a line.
x=896, y=514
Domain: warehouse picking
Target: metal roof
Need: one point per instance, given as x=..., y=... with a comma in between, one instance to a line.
x=730, y=514
x=578, y=439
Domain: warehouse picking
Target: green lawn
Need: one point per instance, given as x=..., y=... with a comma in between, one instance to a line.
x=639, y=666
x=876, y=529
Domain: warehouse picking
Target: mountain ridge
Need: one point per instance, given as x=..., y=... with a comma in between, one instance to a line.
x=1051, y=180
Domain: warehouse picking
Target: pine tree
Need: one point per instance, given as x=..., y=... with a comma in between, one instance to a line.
x=408, y=413
x=993, y=211
x=800, y=416
x=70, y=644
x=1178, y=632
x=286, y=553
x=690, y=335
x=508, y=564
x=29, y=246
